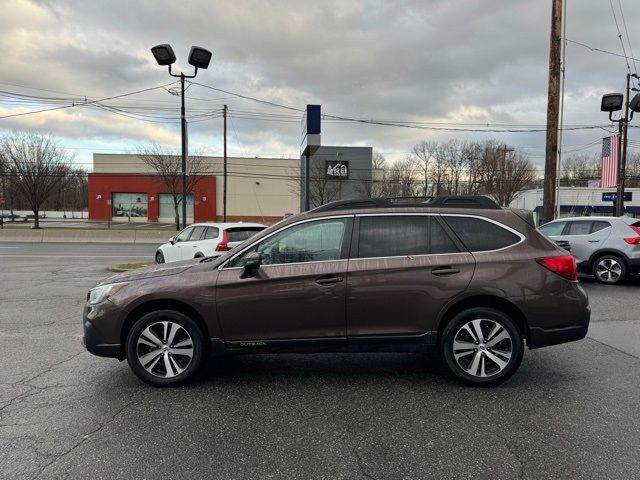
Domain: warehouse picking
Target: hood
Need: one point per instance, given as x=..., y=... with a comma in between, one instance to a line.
x=161, y=270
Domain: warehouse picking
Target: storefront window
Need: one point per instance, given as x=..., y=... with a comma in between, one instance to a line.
x=129, y=206
x=167, y=210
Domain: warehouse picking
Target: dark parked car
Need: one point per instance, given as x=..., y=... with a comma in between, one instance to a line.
x=456, y=274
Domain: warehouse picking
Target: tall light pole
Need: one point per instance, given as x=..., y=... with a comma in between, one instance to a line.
x=613, y=102
x=199, y=58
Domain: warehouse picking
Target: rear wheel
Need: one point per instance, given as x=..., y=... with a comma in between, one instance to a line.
x=165, y=348
x=482, y=346
x=609, y=269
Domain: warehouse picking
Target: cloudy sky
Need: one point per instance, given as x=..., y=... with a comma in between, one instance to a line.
x=443, y=64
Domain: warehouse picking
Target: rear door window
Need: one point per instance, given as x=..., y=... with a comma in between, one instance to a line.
x=393, y=236
x=197, y=233
x=399, y=235
x=480, y=235
x=579, y=227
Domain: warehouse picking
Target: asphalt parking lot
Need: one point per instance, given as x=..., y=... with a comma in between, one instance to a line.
x=570, y=412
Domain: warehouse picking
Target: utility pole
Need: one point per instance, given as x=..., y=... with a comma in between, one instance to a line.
x=553, y=101
x=503, y=169
x=224, y=182
x=622, y=164
x=183, y=124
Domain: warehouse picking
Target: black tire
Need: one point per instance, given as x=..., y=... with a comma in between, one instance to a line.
x=609, y=269
x=482, y=355
x=182, y=369
x=159, y=257
x=198, y=255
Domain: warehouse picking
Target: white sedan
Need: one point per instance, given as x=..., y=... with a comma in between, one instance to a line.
x=205, y=240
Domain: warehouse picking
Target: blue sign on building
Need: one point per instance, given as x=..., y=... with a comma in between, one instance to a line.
x=611, y=196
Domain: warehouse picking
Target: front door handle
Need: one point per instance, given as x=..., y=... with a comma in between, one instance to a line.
x=593, y=241
x=443, y=271
x=328, y=279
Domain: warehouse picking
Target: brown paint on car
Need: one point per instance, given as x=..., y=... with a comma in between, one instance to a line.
x=392, y=303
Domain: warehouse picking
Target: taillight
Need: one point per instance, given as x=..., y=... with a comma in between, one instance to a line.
x=565, y=266
x=223, y=246
x=633, y=240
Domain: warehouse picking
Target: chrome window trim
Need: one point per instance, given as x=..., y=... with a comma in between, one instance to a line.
x=284, y=227
x=490, y=220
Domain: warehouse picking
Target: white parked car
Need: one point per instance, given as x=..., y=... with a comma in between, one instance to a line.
x=205, y=240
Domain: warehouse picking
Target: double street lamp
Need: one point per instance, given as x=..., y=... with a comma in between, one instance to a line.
x=199, y=58
x=613, y=102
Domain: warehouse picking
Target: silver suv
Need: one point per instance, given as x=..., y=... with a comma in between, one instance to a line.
x=607, y=247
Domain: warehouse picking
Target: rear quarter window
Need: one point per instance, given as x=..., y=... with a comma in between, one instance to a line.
x=480, y=235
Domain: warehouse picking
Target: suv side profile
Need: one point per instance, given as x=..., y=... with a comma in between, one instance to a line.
x=606, y=247
x=458, y=275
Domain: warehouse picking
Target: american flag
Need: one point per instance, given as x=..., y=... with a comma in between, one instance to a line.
x=609, y=163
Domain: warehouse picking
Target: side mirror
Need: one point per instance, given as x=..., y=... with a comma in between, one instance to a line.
x=251, y=265
x=172, y=240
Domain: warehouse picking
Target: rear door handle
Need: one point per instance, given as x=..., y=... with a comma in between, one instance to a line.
x=593, y=241
x=328, y=279
x=442, y=271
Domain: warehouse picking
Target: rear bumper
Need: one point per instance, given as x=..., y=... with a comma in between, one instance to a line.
x=634, y=266
x=544, y=337
x=95, y=345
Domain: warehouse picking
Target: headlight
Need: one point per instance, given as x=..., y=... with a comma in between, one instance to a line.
x=101, y=293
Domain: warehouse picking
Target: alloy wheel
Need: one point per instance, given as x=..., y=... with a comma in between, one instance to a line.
x=165, y=349
x=482, y=347
x=608, y=270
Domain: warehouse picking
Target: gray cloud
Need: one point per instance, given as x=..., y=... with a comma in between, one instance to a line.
x=462, y=61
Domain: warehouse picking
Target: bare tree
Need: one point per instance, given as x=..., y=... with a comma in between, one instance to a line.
x=322, y=189
x=379, y=171
x=168, y=166
x=402, y=179
x=36, y=167
x=505, y=173
x=424, y=155
x=577, y=170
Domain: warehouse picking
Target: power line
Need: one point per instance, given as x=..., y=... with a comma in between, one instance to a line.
x=91, y=102
x=624, y=23
x=624, y=51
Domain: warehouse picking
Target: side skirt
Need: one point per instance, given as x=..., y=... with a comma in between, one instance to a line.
x=363, y=344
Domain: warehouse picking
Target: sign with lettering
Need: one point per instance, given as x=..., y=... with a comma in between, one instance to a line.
x=337, y=169
x=611, y=196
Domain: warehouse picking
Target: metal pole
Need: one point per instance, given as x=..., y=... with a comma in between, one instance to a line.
x=622, y=164
x=307, y=203
x=551, y=155
x=184, y=153
x=224, y=187
x=562, y=71
x=619, y=189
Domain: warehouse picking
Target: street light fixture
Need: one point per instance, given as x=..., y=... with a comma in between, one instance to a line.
x=613, y=102
x=199, y=58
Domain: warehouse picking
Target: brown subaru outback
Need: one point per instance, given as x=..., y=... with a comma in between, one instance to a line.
x=458, y=275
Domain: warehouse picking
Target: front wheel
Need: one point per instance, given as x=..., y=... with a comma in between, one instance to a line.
x=165, y=348
x=159, y=257
x=609, y=269
x=482, y=347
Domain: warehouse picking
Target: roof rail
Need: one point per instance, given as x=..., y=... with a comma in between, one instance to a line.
x=443, y=201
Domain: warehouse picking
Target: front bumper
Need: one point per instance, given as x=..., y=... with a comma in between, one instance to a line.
x=95, y=345
x=544, y=337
